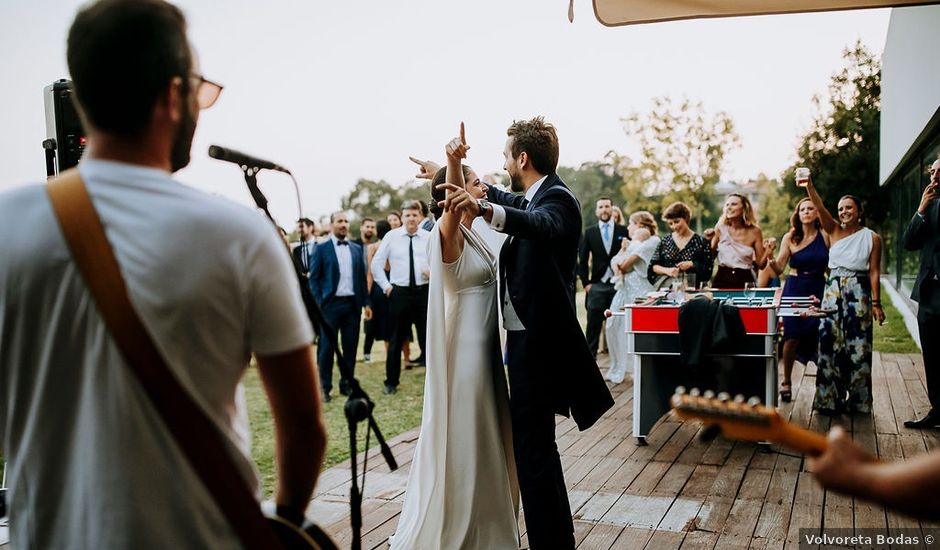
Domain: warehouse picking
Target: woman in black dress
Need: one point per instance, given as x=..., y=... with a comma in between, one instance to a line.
x=682, y=251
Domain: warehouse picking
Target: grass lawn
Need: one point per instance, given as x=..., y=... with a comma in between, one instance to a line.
x=402, y=411
x=394, y=413
x=893, y=337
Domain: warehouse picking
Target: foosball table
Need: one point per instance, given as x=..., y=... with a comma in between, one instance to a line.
x=749, y=368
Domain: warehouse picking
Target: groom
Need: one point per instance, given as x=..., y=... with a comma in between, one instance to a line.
x=551, y=369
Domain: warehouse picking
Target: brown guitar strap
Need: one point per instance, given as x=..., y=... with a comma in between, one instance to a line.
x=201, y=441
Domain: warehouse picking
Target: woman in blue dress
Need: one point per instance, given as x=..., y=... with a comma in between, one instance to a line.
x=806, y=246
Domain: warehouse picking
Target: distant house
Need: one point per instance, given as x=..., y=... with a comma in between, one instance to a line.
x=910, y=125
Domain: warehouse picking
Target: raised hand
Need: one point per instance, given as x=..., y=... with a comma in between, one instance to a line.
x=931, y=192
x=457, y=199
x=457, y=148
x=427, y=170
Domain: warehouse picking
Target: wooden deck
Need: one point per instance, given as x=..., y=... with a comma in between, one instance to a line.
x=678, y=492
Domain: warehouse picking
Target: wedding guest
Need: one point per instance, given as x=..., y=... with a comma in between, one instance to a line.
x=806, y=247
x=598, y=244
x=394, y=219
x=630, y=267
x=616, y=215
x=378, y=325
x=853, y=293
x=682, y=251
x=738, y=242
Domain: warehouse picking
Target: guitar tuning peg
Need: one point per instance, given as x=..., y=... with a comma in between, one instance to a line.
x=694, y=392
x=724, y=397
x=754, y=401
x=680, y=390
x=708, y=394
x=739, y=399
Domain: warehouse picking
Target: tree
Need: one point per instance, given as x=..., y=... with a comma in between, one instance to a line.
x=775, y=208
x=682, y=154
x=589, y=182
x=841, y=149
x=375, y=199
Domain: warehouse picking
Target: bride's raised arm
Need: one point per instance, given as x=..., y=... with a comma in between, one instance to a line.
x=451, y=236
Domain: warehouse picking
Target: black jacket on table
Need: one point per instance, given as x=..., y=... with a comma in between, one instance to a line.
x=537, y=269
x=923, y=233
x=592, y=246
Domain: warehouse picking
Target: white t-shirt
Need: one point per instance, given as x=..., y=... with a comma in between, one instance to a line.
x=90, y=462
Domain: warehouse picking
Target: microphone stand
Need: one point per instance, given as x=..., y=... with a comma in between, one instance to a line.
x=358, y=406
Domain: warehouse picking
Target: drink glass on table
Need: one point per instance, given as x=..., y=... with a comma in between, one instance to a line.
x=802, y=176
x=750, y=291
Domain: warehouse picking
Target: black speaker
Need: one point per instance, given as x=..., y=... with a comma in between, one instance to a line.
x=65, y=137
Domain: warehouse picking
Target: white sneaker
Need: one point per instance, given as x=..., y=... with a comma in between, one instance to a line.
x=367, y=358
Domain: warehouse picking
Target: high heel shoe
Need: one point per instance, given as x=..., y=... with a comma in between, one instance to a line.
x=786, y=394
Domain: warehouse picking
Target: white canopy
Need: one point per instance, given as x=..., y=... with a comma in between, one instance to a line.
x=615, y=13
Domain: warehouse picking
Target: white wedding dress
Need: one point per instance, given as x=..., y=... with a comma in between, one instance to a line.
x=462, y=491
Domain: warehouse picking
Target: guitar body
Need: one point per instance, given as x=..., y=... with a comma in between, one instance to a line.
x=310, y=537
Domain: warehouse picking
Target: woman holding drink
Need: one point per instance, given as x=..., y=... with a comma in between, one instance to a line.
x=806, y=247
x=852, y=293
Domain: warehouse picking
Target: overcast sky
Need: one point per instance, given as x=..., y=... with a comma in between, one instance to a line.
x=336, y=91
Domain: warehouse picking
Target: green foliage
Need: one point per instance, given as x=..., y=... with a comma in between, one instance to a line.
x=591, y=181
x=682, y=155
x=841, y=149
x=377, y=198
x=776, y=207
x=893, y=336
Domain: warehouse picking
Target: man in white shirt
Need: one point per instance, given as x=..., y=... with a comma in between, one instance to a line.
x=338, y=284
x=90, y=462
x=405, y=249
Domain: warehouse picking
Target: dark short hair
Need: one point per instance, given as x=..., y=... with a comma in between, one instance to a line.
x=367, y=219
x=306, y=221
x=395, y=213
x=608, y=199
x=381, y=228
x=333, y=215
x=437, y=195
x=677, y=210
x=411, y=204
x=537, y=139
x=121, y=56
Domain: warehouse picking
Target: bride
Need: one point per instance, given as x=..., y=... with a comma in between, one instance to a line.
x=462, y=491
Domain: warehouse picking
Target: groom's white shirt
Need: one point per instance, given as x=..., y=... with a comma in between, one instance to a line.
x=511, y=321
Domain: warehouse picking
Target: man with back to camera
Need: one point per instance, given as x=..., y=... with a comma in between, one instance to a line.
x=338, y=284
x=923, y=233
x=91, y=462
x=600, y=243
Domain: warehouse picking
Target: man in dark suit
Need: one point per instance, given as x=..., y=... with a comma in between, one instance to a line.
x=338, y=283
x=308, y=241
x=600, y=243
x=923, y=233
x=551, y=369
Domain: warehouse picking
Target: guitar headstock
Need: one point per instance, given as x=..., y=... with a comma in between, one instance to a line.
x=737, y=418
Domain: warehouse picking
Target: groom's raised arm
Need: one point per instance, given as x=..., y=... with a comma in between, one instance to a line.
x=502, y=198
x=557, y=215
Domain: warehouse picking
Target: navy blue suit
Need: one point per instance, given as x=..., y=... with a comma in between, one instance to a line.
x=551, y=369
x=342, y=312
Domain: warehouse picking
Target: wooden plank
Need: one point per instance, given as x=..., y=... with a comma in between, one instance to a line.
x=837, y=517
x=674, y=480
x=648, y=478
x=699, y=540
x=701, y=481
x=678, y=442
x=733, y=542
x=579, y=469
x=727, y=482
x=624, y=476
x=681, y=515
x=665, y=540
x=766, y=544
x=598, y=476
x=870, y=516
x=804, y=517
x=632, y=538
x=597, y=506
x=581, y=530
x=742, y=519
x=754, y=485
x=601, y=537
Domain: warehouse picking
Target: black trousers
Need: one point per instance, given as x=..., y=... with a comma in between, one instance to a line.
x=541, y=480
x=343, y=314
x=407, y=306
x=928, y=325
x=595, y=302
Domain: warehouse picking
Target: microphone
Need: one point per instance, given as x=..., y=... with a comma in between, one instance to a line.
x=241, y=159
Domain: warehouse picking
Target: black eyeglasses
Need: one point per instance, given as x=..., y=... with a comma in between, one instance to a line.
x=207, y=91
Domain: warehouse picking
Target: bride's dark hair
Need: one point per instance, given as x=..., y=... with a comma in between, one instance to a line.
x=437, y=195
